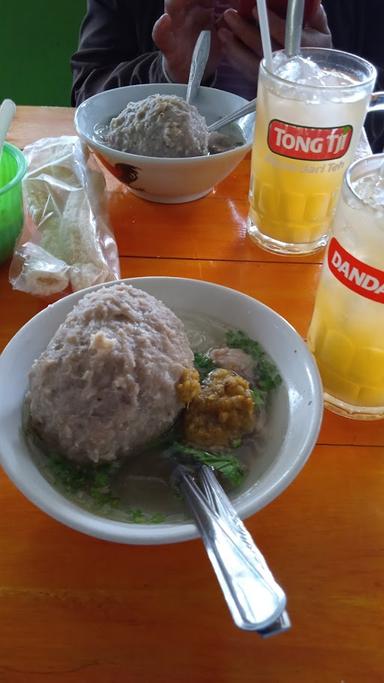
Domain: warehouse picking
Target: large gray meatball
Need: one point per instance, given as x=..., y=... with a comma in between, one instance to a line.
x=105, y=385
x=159, y=126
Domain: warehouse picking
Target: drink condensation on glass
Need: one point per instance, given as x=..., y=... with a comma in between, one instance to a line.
x=309, y=118
x=346, y=333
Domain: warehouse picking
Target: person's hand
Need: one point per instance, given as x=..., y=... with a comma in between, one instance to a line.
x=315, y=32
x=241, y=43
x=241, y=39
x=175, y=34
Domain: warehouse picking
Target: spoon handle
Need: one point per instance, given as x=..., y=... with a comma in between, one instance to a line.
x=233, y=116
x=254, y=598
x=199, y=60
x=7, y=112
x=295, y=13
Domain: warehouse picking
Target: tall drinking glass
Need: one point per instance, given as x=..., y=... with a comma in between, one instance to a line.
x=346, y=334
x=309, y=119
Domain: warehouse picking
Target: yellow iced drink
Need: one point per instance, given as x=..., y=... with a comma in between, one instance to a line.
x=346, y=333
x=291, y=202
x=308, y=123
x=349, y=353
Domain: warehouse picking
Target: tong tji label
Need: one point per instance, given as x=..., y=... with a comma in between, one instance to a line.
x=354, y=274
x=308, y=144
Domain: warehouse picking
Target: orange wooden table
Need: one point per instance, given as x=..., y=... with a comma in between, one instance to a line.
x=75, y=609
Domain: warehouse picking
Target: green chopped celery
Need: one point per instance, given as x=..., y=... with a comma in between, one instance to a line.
x=224, y=463
x=204, y=364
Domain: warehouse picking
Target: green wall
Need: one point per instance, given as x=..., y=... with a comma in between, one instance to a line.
x=37, y=39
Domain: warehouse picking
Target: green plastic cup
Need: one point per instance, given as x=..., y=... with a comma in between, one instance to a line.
x=12, y=169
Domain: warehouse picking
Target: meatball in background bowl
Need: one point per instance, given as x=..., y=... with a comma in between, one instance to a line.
x=293, y=419
x=165, y=179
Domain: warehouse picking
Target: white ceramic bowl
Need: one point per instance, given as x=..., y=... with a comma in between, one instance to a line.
x=163, y=179
x=294, y=421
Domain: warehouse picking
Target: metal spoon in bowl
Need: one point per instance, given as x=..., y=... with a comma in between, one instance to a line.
x=233, y=116
x=255, y=599
x=198, y=63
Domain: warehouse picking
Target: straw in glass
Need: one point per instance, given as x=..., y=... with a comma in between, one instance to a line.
x=265, y=35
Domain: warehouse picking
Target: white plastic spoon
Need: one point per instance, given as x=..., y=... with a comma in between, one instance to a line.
x=7, y=112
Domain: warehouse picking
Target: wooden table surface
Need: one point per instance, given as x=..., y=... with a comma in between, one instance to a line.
x=76, y=609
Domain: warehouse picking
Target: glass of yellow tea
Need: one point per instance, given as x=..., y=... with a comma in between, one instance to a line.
x=310, y=113
x=346, y=334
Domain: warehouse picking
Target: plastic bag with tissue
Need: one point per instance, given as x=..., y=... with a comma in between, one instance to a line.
x=66, y=242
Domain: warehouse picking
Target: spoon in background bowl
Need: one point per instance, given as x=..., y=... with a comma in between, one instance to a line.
x=233, y=116
x=198, y=63
x=7, y=112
